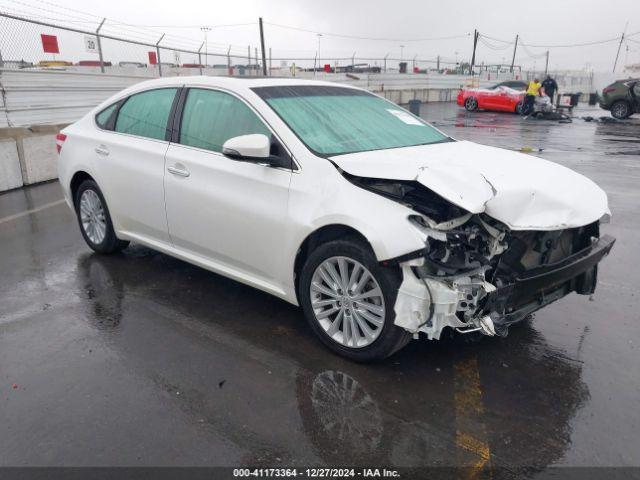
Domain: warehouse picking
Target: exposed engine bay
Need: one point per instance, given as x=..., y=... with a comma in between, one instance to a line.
x=477, y=275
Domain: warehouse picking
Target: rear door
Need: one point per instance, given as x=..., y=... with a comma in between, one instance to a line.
x=130, y=163
x=228, y=213
x=635, y=89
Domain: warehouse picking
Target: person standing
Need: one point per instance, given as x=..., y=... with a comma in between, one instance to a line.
x=550, y=87
x=533, y=90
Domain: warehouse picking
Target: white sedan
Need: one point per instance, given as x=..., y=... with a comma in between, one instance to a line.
x=380, y=226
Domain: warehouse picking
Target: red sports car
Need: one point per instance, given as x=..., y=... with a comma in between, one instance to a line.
x=503, y=97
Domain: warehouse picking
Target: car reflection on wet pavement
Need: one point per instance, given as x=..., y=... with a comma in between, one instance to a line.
x=141, y=359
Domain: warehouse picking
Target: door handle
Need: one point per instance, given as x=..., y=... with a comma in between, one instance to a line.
x=102, y=150
x=178, y=171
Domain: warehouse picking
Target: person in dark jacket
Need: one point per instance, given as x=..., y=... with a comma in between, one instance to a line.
x=550, y=87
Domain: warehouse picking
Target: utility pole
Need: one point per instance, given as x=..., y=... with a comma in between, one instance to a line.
x=249, y=56
x=413, y=64
x=438, y=64
x=158, y=55
x=264, y=54
x=270, y=61
x=513, y=59
x=205, y=30
x=615, y=64
x=475, y=44
x=385, y=63
x=546, y=65
x=200, y=58
x=401, y=51
x=100, y=45
x=353, y=60
x=229, y=60
x=319, y=37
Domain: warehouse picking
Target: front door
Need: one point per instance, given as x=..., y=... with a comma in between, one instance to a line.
x=229, y=213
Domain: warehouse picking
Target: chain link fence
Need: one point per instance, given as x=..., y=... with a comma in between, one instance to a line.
x=28, y=43
x=31, y=43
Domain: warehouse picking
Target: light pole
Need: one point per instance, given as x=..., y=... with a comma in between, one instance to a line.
x=401, y=51
x=319, y=37
x=205, y=30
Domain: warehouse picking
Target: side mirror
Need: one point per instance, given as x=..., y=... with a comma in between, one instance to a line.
x=248, y=147
x=255, y=148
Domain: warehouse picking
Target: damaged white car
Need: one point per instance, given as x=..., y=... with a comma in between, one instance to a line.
x=380, y=226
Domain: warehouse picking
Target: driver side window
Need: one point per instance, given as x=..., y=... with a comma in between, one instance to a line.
x=210, y=118
x=636, y=90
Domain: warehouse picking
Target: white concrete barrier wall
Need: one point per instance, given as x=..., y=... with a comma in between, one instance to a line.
x=10, y=172
x=39, y=161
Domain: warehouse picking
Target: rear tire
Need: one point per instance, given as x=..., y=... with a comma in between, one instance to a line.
x=471, y=104
x=388, y=338
x=94, y=219
x=621, y=110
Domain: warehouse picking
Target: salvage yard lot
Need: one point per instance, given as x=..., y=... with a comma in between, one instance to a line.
x=141, y=359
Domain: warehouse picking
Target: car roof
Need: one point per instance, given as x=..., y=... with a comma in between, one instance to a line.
x=230, y=83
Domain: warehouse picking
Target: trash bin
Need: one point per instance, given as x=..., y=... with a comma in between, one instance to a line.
x=575, y=98
x=403, y=67
x=593, y=99
x=414, y=107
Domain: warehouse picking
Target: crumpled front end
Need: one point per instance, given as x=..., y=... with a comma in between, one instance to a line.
x=476, y=275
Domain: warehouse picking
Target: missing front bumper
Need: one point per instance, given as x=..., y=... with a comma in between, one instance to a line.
x=428, y=305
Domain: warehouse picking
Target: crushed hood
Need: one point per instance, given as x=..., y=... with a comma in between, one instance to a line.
x=522, y=191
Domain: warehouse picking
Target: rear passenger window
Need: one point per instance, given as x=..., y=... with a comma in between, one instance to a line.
x=102, y=119
x=146, y=114
x=210, y=118
x=636, y=89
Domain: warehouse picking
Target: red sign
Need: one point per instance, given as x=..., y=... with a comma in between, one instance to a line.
x=49, y=43
x=153, y=59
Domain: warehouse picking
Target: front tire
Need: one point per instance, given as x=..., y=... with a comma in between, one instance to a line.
x=471, y=104
x=519, y=106
x=94, y=219
x=348, y=299
x=620, y=110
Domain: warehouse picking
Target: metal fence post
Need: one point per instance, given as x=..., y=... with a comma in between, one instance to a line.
x=158, y=55
x=100, y=45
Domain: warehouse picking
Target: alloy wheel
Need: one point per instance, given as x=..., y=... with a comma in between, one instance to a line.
x=92, y=216
x=347, y=302
x=619, y=110
x=471, y=103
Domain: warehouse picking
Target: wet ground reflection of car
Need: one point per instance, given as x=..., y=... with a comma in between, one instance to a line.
x=413, y=410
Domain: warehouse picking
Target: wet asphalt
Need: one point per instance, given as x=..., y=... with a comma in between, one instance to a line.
x=139, y=359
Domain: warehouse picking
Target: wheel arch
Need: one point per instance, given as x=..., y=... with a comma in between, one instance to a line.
x=319, y=236
x=76, y=180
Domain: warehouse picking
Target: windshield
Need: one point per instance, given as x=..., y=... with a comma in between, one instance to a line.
x=337, y=120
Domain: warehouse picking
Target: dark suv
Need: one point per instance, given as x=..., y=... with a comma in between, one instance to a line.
x=621, y=98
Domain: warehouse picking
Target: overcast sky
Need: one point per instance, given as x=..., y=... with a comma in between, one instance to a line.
x=400, y=22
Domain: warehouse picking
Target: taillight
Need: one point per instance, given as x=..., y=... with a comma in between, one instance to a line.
x=60, y=138
x=608, y=89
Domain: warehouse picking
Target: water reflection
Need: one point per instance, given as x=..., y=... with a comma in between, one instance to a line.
x=243, y=366
x=103, y=291
x=411, y=415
